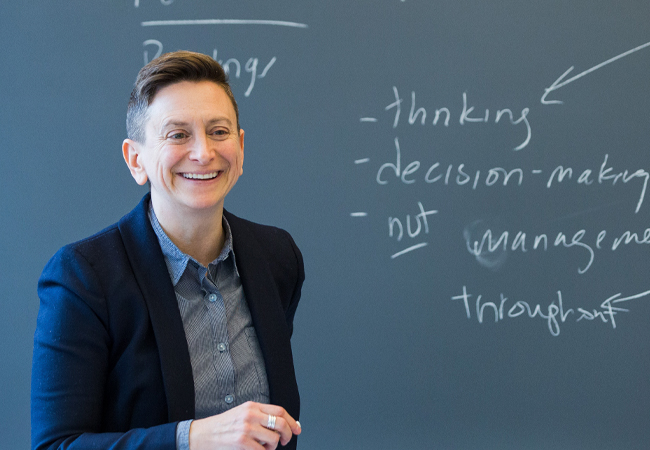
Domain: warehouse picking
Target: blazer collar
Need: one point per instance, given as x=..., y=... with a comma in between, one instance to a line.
x=268, y=317
x=267, y=314
x=151, y=273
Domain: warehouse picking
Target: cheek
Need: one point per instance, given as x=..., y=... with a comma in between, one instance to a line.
x=169, y=160
x=240, y=164
x=236, y=158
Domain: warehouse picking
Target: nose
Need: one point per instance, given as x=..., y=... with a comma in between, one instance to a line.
x=202, y=151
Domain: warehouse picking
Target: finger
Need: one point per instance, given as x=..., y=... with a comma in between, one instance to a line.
x=269, y=439
x=269, y=446
x=280, y=412
x=278, y=425
x=283, y=429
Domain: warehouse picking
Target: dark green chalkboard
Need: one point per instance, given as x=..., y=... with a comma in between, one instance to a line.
x=467, y=181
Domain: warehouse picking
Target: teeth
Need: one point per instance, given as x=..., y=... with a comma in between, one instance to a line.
x=199, y=176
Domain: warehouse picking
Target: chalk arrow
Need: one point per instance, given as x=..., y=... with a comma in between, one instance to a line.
x=557, y=84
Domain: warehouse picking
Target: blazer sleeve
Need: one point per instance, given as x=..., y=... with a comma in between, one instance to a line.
x=71, y=363
x=300, y=278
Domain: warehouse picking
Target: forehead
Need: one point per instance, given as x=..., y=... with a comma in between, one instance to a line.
x=190, y=101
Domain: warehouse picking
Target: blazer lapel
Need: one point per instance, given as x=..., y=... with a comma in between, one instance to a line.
x=151, y=273
x=267, y=315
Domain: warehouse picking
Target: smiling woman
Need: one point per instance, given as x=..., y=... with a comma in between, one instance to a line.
x=192, y=155
x=190, y=133
x=150, y=308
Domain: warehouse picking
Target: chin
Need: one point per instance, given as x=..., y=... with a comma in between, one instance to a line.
x=203, y=205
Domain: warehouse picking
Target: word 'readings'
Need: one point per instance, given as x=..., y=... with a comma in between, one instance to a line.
x=231, y=66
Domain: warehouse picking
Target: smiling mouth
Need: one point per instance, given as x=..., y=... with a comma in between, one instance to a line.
x=200, y=176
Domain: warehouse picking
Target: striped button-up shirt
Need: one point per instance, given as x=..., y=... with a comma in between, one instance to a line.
x=227, y=363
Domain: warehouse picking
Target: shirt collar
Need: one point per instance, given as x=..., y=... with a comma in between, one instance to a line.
x=176, y=260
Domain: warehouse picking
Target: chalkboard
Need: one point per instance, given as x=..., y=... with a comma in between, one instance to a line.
x=468, y=182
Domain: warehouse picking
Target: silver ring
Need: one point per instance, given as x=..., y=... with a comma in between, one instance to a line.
x=270, y=424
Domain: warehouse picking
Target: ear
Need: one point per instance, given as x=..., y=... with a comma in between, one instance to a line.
x=131, y=152
x=241, y=144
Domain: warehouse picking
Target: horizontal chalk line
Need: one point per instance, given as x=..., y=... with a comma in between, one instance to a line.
x=280, y=23
x=410, y=249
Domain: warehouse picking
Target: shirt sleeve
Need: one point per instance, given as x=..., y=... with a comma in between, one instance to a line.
x=183, y=435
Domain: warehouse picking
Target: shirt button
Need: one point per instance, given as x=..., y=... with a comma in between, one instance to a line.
x=229, y=399
x=221, y=347
x=212, y=297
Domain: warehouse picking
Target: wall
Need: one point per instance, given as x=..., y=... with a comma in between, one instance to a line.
x=415, y=330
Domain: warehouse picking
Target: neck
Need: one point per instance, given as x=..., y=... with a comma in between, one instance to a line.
x=199, y=234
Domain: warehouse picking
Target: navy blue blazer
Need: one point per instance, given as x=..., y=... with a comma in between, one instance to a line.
x=111, y=367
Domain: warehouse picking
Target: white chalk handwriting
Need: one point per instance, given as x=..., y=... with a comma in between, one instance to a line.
x=420, y=226
x=553, y=314
x=251, y=67
x=465, y=175
x=557, y=84
x=490, y=247
x=232, y=66
x=464, y=114
x=136, y=3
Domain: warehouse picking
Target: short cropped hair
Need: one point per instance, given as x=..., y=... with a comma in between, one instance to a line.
x=166, y=70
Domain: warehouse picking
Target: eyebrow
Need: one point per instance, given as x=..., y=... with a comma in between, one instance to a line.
x=181, y=123
x=174, y=123
x=218, y=120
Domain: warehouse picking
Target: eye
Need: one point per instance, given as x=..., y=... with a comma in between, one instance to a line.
x=178, y=137
x=220, y=133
